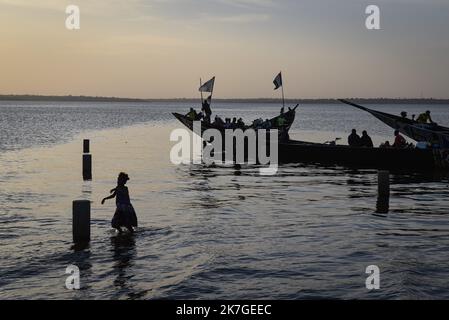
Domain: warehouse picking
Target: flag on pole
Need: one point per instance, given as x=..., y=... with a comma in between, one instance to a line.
x=278, y=81
x=208, y=86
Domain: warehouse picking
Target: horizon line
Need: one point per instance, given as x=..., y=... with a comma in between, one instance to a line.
x=69, y=97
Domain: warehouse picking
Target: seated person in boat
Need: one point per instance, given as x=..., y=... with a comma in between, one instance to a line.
x=266, y=124
x=257, y=124
x=365, y=140
x=424, y=118
x=218, y=122
x=404, y=115
x=228, y=124
x=192, y=115
x=399, y=140
x=240, y=123
x=386, y=144
x=281, y=121
x=354, y=139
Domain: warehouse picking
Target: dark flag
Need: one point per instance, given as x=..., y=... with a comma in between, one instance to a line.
x=278, y=81
x=208, y=86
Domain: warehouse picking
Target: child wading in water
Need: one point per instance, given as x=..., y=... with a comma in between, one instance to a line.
x=124, y=216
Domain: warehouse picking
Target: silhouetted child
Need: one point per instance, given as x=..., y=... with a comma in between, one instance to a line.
x=124, y=216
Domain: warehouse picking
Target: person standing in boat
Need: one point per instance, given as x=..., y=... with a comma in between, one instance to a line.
x=365, y=140
x=354, y=139
x=124, y=216
x=207, y=110
x=399, y=140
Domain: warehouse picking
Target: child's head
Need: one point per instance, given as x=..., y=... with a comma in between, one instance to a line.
x=122, y=178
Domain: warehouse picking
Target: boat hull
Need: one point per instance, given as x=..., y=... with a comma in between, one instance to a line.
x=379, y=158
x=293, y=151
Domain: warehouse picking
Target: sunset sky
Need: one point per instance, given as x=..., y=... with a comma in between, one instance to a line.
x=160, y=48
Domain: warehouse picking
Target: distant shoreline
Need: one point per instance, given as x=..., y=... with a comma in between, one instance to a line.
x=70, y=98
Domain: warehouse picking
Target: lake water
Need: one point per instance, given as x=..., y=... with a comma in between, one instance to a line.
x=206, y=233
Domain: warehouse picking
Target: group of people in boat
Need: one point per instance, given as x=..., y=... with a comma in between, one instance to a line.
x=206, y=113
x=218, y=121
x=423, y=118
x=354, y=140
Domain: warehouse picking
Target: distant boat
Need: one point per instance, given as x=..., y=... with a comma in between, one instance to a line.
x=431, y=133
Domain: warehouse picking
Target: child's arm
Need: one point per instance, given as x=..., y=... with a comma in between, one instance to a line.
x=110, y=197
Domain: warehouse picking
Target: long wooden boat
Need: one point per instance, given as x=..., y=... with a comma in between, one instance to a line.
x=294, y=151
x=356, y=157
x=428, y=132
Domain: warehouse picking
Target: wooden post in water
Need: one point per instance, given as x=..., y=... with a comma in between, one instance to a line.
x=383, y=192
x=86, y=146
x=383, y=183
x=87, y=160
x=87, y=166
x=81, y=221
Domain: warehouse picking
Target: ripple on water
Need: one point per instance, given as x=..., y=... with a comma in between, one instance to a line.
x=212, y=232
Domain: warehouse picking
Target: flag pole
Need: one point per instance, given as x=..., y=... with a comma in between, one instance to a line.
x=201, y=84
x=283, y=99
x=211, y=94
x=282, y=85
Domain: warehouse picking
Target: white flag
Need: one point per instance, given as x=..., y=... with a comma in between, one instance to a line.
x=278, y=81
x=208, y=86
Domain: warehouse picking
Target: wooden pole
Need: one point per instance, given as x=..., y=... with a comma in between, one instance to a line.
x=283, y=99
x=87, y=160
x=383, y=192
x=87, y=167
x=383, y=183
x=201, y=84
x=86, y=146
x=81, y=221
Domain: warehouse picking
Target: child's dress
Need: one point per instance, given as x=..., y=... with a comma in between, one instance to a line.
x=124, y=215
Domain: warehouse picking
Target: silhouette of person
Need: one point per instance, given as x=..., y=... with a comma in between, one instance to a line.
x=124, y=216
x=365, y=140
x=399, y=141
x=207, y=110
x=354, y=139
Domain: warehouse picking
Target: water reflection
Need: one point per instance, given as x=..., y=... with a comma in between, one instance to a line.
x=81, y=257
x=124, y=253
x=383, y=204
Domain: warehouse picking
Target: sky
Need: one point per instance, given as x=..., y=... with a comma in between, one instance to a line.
x=161, y=48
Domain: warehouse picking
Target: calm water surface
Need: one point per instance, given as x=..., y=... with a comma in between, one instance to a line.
x=308, y=232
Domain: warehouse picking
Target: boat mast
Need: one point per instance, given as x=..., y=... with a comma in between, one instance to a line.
x=201, y=84
x=283, y=99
